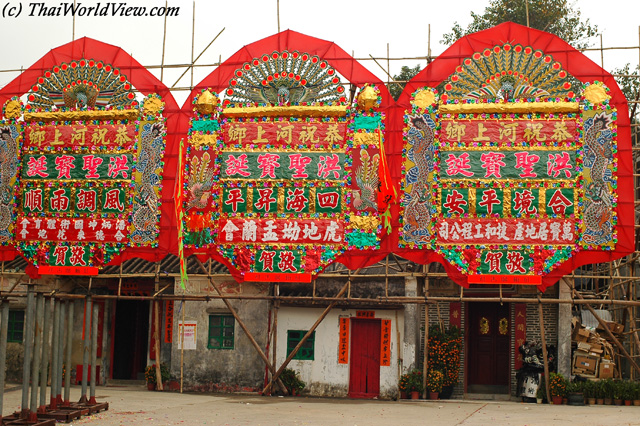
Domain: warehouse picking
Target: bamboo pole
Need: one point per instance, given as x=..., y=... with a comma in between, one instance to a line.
x=28, y=349
x=67, y=377
x=4, y=328
x=55, y=353
x=85, y=348
x=182, y=349
x=304, y=339
x=94, y=354
x=544, y=353
x=156, y=334
x=245, y=329
x=46, y=325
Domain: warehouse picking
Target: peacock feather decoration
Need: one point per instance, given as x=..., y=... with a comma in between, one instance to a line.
x=365, y=197
x=508, y=72
x=80, y=84
x=285, y=78
x=200, y=182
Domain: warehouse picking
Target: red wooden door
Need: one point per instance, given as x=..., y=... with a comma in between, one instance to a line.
x=488, y=356
x=364, y=372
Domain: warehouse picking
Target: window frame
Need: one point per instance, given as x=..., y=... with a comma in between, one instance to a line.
x=305, y=353
x=220, y=337
x=12, y=329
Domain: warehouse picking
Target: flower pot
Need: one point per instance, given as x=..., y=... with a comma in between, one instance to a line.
x=600, y=401
x=576, y=399
x=446, y=392
x=591, y=401
x=415, y=395
x=627, y=402
x=608, y=401
x=433, y=395
x=617, y=401
x=636, y=402
x=557, y=400
x=151, y=386
x=538, y=400
x=404, y=395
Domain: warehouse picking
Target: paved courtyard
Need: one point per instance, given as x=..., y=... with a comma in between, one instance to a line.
x=134, y=405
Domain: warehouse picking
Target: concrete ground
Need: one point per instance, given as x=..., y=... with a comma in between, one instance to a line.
x=134, y=405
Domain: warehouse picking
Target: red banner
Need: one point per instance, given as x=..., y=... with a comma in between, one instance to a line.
x=81, y=230
x=509, y=132
x=521, y=332
x=312, y=133
x=301, y=231
x=385, y=343
x=264, y=277
x=107, y=136
x=168, y=324
x=455, y=314
x=343, y=349
x=506, y=231
x=506, y=279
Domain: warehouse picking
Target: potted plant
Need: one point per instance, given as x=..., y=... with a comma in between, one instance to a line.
x=435, y=379
x=588, y=389
x=598, y=391
x=415, y=384
x=541, y=393
x=557, y=387
x=292, y=381
x=445, y=347
x=636, y=393
x=607, y=390
x=628, y=392
x=403, y=386
x=575, y=393
x=150, y=375
x=618, y=389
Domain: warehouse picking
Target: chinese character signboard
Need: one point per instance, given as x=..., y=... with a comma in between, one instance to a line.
x=511, y=171
x=282, y=179
x=89, y=169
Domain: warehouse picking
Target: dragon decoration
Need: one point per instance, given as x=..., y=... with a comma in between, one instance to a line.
x=83, y=160
x=512, y=169
x=282, y=175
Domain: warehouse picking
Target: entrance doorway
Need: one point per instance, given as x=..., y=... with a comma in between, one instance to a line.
x=488, y=355
x=364, y=370
x=130, y=334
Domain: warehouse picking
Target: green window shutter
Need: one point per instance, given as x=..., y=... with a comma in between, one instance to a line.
x=15, y=330
x=306, y=352
x=221, y=332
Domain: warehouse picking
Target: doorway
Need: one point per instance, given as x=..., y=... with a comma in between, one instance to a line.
x=488, y=355
x=364, y=368
x=130, y=334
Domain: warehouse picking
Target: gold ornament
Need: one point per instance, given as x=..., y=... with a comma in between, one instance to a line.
x=516, y=107
x=484, y=325
x=152, y=105
x=124, y=114
x=12, y=109
x=364, y=223
x=424, y=98
x=286, y=111
x=596, y=93
x=367, y=98
x=206, y=103
x=503, y=326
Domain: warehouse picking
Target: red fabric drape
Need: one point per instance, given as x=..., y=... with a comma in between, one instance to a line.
x=146, y=83
x=348, y=67
x=576, y=64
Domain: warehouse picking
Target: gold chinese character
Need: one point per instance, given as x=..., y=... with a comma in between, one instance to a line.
x=560, y=132
x=481, y=130
x=237, y=133
x=284, y=132
x=98, y=135
x=333, y=134
x=36, y=137
x=533, y=132
x=260, y=139
x=121, y=136
x=308, y=133
x=56, y=139
x=78, y=135
x=455, y=130
x=509, y=131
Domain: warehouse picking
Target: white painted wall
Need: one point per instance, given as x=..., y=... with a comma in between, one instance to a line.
x=324, y=375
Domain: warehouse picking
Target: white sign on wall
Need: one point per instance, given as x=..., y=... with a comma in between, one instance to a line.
x=190, y=329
